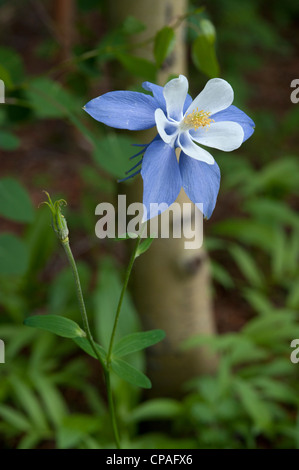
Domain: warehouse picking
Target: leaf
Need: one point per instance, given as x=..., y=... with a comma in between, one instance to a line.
x=112, y=153
x=203, y=50
x=272, y=211
x=15, y=418
x=13, y=255
x=208, y=30
x=221, y=275
x=106, y=298
x=30, y=440
x=84, y=344
x=292, y=300
x=158, y=408
x=74, y=428
x=130, y=374
x=272, y=329
x=52, y=399
x=29, y=402
x=50, y=100
x=276, y=390
x=14, y=70
x=259, y=301
x=137, y=341
x=40, y=241
x=255, y=407
x=247, y=265
x=250, y=232
x=278, y=175
x=164, y=44
x=61, y=291
x=292, y=252
x=279, y=247
x=15, y=203
x=132, y=25
x=61, y=326
x=138, y=66
x=144, y=246
x=8, y=141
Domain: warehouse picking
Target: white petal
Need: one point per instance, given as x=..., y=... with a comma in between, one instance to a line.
x=223, y=135
x=193, y=150
x=166, y=128
x=216, y=95
x=175, y=93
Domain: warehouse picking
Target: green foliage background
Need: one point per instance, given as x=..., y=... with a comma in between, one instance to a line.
x=49, y=392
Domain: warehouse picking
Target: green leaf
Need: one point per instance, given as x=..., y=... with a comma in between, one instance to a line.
x=15, y=418
x=130, y=374
x=144, y=246
x=30, y=440
x=15, y=203
x=276, y=390
x=208, y=30
x=61, y=326
x=137, y=341
x=13, y=255
x=112, y=154
x=277, y=176
x=61, y=290
x=204, y=56
x=8, y=141
x=106, y=297
x=52, y=399
x=74, y=428
x=138, y=67
x=5, y=77
x=14, y=70
x=292, y=300
x=272, y=329
x=40, y=241
x=164, y=44
x=132, y=25
x=250, y=232
x=158, y=408
x=247, y=265
x=259, y=301
x=272, y=211
x=29, y=402
x=255, y=407
x=221, y=275
x=49, y=99
x=84, y=344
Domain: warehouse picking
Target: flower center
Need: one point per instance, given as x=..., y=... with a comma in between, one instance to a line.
x=198, y=119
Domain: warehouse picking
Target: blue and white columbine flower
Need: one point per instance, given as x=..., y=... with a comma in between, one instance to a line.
x=210, y=120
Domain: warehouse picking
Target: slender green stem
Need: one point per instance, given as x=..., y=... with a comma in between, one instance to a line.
x=112, y=408
x=73, y=265
x=106, y=366
x=121, y=298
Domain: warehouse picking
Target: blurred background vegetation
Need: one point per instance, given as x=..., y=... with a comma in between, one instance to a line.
x=49, y=392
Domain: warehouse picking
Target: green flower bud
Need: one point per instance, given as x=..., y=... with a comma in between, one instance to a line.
x=58, y=220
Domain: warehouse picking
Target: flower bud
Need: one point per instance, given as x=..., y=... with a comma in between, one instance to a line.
x=58, y=220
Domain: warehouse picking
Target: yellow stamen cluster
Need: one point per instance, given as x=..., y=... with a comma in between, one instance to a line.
x=198, y=119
